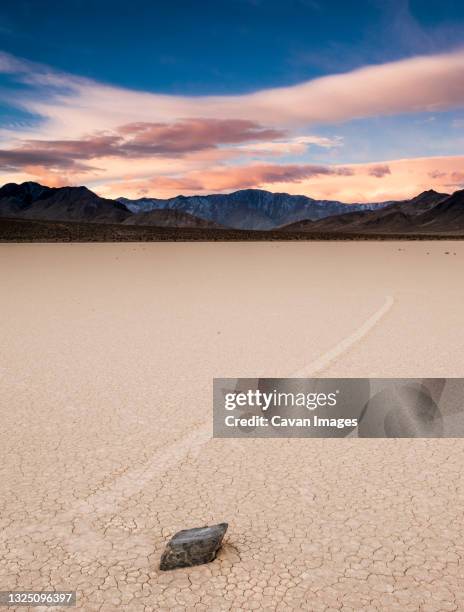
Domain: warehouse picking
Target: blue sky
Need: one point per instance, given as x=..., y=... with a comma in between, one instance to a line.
x=232, y=46
x=75, y=69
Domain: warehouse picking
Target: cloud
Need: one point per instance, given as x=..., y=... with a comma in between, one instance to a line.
x=135, y=140
x=259, y=174
x=348, y=183
x=145, y=138
x=457, y=178
x=417, y=84
x=436, y=174
x=9, y=64
x=239, y=177
x=379, y=171
x=15, y=159
x=297, y=145
x=318, y=141
x=48, y=177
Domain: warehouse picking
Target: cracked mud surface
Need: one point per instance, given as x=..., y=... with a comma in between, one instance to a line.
x=108, y=354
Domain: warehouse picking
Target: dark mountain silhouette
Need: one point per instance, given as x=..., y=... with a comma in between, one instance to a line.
x=33, y=201
x=424, y=201
x=20, y=196
x=404, y=216
x=447, y=215
x=169, y=218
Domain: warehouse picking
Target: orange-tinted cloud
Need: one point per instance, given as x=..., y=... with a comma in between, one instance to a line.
x=48, y=177
x=144, y=138
x=238, y=177
x=436, y=174
x=379, y=170
x=348, y=183
x=457, y=179
x=135, y=140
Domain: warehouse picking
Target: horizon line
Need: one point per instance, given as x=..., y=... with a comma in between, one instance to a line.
x=181, y=195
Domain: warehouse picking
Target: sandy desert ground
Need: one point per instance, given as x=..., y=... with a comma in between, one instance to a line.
x=107, y=357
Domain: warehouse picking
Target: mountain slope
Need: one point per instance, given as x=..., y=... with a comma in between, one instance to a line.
x=15, y=198
x=446, y=216
x=425, y=201
x=169, y=218
x=404, y=216
x=250, y=208
x=34, y=201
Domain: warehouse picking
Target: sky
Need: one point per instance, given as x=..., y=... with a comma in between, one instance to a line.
x=354, y=101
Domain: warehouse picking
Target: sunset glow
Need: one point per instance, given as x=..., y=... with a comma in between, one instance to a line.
x=366, y=134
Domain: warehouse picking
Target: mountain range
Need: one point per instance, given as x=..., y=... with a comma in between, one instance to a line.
x=411, y=216
x=252, y=209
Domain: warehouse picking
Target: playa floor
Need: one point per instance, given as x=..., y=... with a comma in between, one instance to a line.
x=107, y=357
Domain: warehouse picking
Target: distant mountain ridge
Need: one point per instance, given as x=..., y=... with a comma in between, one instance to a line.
x=250, y=208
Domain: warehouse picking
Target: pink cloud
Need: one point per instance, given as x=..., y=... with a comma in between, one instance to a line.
x=436, y=174
x=180, y=137
x=379, y=171
x=416, y=84
x=457, y=177
x=240, y=177
x=48, y=177
x=136, y=140
x=14, y=159
x=349, y=183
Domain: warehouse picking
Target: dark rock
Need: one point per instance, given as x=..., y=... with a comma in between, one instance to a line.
x=193, y=547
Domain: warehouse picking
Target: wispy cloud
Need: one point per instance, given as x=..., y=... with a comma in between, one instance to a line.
x=379, y=170
x=240, y=177
x=351, y=183
x=427, y=83
x=136, y=140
